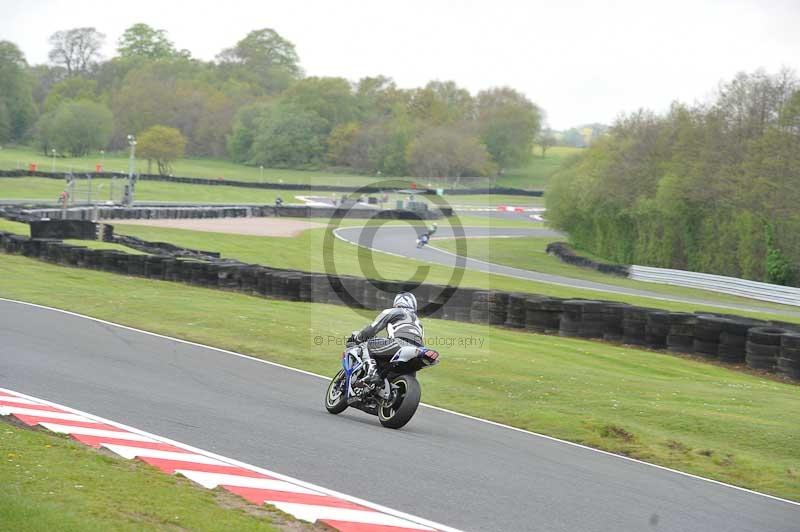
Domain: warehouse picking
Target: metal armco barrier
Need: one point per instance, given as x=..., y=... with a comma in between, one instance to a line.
x=785, y=295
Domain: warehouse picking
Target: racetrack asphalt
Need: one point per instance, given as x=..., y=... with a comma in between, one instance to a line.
x=458, y=471
x=401, y=240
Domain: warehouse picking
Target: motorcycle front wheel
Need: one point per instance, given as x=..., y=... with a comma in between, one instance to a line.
x=335, y=401
x=400, y=408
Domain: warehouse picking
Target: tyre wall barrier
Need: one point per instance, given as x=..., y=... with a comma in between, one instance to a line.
x=563, y=251
x=277, y=186
x=730, y=339
x=163, y=212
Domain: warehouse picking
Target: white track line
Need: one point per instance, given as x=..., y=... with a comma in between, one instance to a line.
x=331, y=492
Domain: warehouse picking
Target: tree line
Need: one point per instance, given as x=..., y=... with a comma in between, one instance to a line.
x=712, y=187
x=255, y=105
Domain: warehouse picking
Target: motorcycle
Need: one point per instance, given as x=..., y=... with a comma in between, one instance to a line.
x=395, y=399
x=422, y=240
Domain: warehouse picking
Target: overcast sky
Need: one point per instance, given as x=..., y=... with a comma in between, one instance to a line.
x=581, y=61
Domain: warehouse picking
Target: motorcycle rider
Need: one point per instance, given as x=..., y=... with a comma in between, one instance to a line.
x=404, y=331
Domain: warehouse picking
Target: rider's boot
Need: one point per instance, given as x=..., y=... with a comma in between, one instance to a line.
x=371, y=376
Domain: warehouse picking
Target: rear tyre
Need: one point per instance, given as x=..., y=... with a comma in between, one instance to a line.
x=404, y=405
x=335, y=401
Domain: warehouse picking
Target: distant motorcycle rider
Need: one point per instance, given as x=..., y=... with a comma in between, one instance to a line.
x=404, y=331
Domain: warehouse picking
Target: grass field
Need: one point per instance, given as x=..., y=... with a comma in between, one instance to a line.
x=20, y=157
x=43, y=189
x=52, y=483
x=528, y=253
x=533, y=175
x=676, y=411
x=536, y=174
x=304, y=253
x=39, y=188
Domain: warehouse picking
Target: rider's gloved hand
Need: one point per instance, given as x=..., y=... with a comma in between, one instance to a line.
x=354, y=337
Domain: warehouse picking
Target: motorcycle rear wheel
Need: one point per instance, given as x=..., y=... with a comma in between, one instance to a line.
x=335, y=401
x=402, y=409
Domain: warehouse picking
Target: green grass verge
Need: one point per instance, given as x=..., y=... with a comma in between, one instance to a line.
x=533, y=175
x=39, y=188
x=528, y=253
x=52, y=483
x=20, y=157
x=675, y=411
x=536, y=174
x=304, y=253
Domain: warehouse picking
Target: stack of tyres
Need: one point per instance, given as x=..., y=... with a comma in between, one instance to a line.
x=592, y=324
x=369, y=297
x=264, y=280
x=15, y=243
x=293, y=281
x=681, y=332
x=657, y=329
x=84, y=257
x=424, y=293
x=634, y=325
x=462, y=303
x=517, y=310
x=172, y=268
x=479, y=310
x=336, y=288
x=321, y=290
x=384, y=297
x=154, y=267
x=249, y=279
x=280, y=286
x=763, y=347
x=497, y=307
x=306, y=286
x=354, y=291
x=613, y=314
x=571, y=317
x=449, y=305
x=437, y=303
x=226, y=276
x=198, y=273
x=707, y=332
x=136, y=264
x=543, y=314
x=733, y=339
x=789, y=359
x=74, y=255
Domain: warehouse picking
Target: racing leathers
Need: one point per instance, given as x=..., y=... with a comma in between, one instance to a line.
x=403, y=331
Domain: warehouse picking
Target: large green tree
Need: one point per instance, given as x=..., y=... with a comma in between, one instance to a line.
x=330, y=98
x=161, y=144
x=263, y=57
x=508, y=124
x=446, y=152
x=17, y=110
x=141, y=41
x=74, y=88
x=289, y=136
x=709, y=188
x=77, y=127
x=76, y=49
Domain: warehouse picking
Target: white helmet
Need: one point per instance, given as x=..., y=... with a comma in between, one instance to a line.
x=405, y=300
